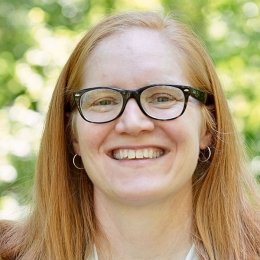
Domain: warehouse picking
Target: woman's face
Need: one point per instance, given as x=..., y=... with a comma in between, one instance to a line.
x=131, y=60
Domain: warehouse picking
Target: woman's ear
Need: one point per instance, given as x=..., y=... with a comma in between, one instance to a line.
x=76, y=146
x=74, y=135
x=205, y=139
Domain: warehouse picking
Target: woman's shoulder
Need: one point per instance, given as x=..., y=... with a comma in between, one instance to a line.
x=5, y=226
x=7, y=239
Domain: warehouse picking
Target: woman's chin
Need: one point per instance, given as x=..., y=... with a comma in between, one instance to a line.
x=140, y=195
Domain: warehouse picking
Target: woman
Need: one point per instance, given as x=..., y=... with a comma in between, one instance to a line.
x=139, y=158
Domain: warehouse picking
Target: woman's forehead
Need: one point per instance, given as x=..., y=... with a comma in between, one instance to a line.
x=134, y=55
x=135, y=40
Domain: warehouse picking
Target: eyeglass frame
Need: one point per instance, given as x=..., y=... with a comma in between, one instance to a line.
x=204, y=97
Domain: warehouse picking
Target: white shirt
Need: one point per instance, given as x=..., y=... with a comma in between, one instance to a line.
x=190, y=256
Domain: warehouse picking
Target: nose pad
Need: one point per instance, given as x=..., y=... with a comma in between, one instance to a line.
x=133, y=121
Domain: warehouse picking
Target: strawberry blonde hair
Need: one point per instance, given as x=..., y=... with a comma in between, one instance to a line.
x=62, y=224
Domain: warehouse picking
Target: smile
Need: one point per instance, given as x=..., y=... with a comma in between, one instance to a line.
x=131, y=154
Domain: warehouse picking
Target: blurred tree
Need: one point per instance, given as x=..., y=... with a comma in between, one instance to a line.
x=37, y=37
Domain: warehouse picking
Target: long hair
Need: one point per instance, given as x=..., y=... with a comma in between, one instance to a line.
x=62, y=224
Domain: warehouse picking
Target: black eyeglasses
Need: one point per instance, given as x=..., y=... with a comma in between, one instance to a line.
x=158, y=101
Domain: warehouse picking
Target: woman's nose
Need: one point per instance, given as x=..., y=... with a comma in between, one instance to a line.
x=133, y=121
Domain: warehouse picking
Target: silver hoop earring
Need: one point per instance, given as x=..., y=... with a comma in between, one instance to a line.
x=205, y=158
x=74, y=163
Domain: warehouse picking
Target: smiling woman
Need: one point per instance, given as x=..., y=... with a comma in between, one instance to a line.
x=139, y=158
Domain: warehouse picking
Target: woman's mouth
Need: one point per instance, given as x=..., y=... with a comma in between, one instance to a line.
x=132, y=154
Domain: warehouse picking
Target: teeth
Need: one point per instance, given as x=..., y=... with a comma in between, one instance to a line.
x=116, y=156
x=130, y=154
x=125, y=154
x=139, y=154
x=150, y=153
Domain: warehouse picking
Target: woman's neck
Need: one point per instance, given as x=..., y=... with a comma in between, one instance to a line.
x=160, y=230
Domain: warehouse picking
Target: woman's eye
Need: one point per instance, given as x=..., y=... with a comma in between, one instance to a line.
x=104, y=102
x=163, y=99
x=159, y=98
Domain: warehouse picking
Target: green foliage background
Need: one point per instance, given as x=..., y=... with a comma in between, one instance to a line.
x=38, y=36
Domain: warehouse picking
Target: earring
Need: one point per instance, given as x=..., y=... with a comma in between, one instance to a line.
x=203, y=157
x=74, y=163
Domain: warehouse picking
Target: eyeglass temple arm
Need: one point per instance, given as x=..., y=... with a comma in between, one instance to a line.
x=205, y=98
